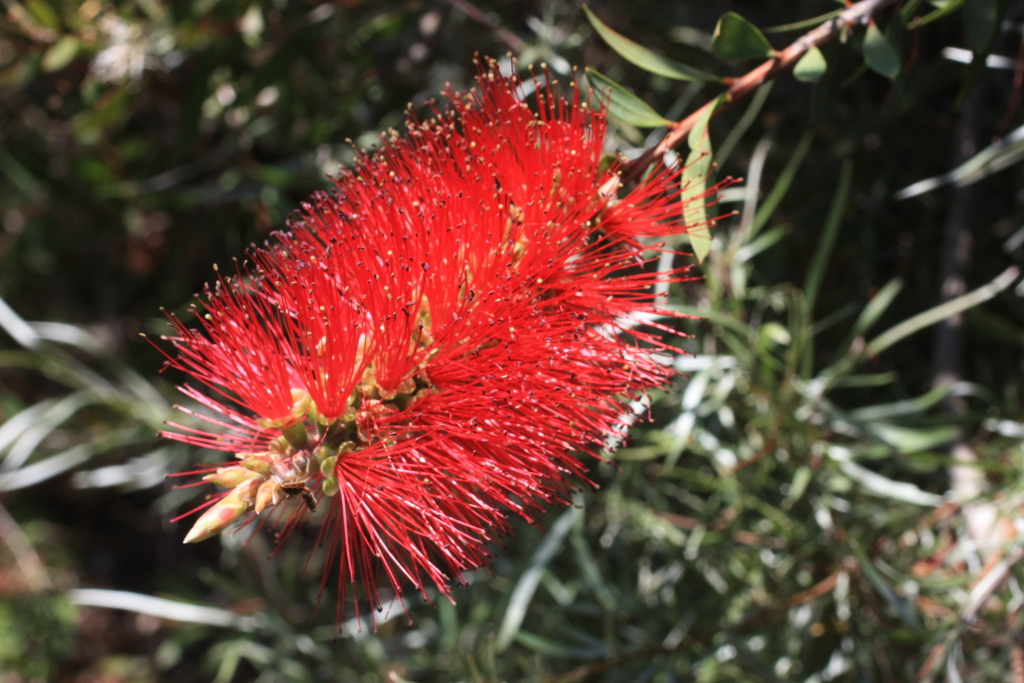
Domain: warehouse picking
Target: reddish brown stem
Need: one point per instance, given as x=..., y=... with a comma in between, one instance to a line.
x=746, y=84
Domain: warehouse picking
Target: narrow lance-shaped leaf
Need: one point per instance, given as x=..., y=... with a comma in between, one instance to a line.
x=830, y=231
x=624, y=105
x=934, y=15
x=695, y=182
x=941, y=312
x=998, y=156
x=644, y=58
x=735, y=38
x=60, y=54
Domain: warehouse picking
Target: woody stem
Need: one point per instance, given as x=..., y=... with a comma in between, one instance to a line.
x=746, y=84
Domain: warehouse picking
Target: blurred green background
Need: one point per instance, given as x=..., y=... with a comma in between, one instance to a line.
x=829, y=492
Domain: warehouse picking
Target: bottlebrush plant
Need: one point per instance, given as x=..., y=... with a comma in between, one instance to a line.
x=432, y=346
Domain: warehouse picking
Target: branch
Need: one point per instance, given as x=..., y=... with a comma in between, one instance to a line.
x=477, y=15
x=746, y=84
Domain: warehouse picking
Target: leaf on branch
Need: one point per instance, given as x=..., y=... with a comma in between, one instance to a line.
x=644, y=58
x=736, y=38
x=624, y=105
x=695, y=182
x=811, y=67
x=879, y=54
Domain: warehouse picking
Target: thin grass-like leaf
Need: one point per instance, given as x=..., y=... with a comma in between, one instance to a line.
x=998, y=156
x=782, y=185
x=172, y=610
x=906, y=408
x=802, y=25
x=937, y=14
x=13, y=428
x=19, y=330
x=46, y=469
x=519, y=601
x=876, y=307
x=42, y=426
x=942, y=311
x=739, y=130
x=829, y=232
x=909, y=440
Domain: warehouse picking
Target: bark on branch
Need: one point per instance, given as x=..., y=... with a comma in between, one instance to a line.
x=751, y=81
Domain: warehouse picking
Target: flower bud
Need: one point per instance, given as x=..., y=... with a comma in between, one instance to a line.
x=224, y=512
x=265, y=495
x=258, y=464
x=230, y=477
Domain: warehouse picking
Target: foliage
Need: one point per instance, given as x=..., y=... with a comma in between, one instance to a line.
x=805, y=502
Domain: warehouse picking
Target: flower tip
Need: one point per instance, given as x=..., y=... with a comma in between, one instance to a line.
x=199, y=533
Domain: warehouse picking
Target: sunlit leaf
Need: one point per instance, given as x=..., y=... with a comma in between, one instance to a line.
x=876, y=307
x=695, y=183
x=644, y=58
x=42, y=12
x=735, y=38
x=60, y=54
x=942, y=311
x=994, y=158
x=624, y=105
x=907, y=440
x=811, y=67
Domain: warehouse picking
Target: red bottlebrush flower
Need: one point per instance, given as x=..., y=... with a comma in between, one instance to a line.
x=430, y=346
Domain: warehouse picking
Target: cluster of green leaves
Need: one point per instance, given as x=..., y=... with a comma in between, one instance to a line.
x=786, y=513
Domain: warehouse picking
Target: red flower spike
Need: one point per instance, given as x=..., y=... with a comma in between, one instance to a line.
x=430, y=346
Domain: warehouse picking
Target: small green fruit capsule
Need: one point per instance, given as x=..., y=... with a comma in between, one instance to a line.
x=327, y=466
x=330, y=486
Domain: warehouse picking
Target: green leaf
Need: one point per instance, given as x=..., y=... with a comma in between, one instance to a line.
x=829, y=232
x=695, y=183
x=980, y=19
x=60, y=54
x=942, y=311
x=876, y=307
x=522, y=595
x=624, y=105
x=879, y=53
x=804, y=24
x=774, y=198
x=998, y=156
x=43, y=13
x=904, y=408
x=736, y=38
x=907, y=440
x=937, y=14
x=811, y=67
x=644, y=58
